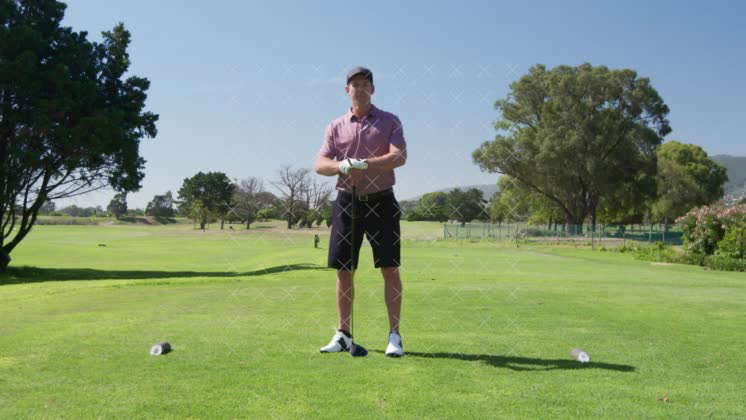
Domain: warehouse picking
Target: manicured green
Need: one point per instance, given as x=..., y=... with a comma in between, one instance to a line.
x=487, y=327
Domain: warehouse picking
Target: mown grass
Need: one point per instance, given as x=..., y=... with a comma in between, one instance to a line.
x=487, y=328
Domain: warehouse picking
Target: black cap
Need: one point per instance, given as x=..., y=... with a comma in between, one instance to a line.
x=360, y=70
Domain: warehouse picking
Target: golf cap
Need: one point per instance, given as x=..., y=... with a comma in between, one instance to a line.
x=360, y=70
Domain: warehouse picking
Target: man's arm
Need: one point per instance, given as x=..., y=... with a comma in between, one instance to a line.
x=393, y=159
x=326, y=166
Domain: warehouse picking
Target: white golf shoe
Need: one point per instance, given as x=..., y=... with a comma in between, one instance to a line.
x=340, y=342
x=395, y=347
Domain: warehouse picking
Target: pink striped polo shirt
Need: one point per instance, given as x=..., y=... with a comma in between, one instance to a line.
x=364, y=138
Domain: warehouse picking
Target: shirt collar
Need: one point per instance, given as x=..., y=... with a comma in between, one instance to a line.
x=371, y=113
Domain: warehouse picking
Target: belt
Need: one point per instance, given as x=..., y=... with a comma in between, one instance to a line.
x=368, y=197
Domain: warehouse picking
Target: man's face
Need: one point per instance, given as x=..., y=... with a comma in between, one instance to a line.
x=360, y=89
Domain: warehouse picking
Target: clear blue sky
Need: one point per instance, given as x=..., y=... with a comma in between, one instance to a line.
x=244, y=87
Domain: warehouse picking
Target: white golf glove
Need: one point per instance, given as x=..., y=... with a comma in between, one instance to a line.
x=347, y=164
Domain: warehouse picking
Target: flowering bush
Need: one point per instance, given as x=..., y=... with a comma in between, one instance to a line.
x=733, y=243
x=702, y=230
x=706, y=227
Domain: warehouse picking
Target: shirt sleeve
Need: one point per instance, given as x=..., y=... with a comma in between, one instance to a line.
x=328, y=149
x=397, y=134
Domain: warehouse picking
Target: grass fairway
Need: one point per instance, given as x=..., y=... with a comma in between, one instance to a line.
x=487, y=329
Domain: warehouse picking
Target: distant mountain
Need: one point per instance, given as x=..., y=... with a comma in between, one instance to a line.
x=736, y=167
x=735, y=188
x=487, y=191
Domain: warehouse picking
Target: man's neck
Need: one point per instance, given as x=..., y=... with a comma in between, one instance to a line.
x=361, y=110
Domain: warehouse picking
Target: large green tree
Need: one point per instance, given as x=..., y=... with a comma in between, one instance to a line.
x=161, y=206
x=630, y=202
x=118, y=205
x=576, y=134
x=515, y=202
x=70, y=123
x=207, y=194
x=433, y=206
x=465, y=206
x=687, y=178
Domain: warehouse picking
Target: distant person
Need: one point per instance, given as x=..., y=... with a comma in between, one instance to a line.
x=362, y=148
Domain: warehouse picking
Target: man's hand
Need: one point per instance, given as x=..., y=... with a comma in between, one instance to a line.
x=347, y=164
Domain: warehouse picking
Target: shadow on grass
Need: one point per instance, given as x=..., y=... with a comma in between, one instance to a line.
x=18, y=275
x=522, y=363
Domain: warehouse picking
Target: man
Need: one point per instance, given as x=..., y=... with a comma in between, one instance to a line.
x=362, y=148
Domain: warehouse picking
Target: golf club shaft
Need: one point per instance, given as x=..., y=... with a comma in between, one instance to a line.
x=352, y=265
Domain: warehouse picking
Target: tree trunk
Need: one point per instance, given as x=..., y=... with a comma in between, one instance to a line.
x=574, y=226
x=222, y=223
x=4, y=260
x=248, y=224
x=202, y=225
x=593, y=220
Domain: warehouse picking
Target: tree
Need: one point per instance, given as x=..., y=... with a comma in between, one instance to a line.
x=135, y=212
x=630, y=202
x=512, y=203
x=292, y=183
x=266, y=199
x=47, y=208
x=687, y=178
x=246, y=199
x=464, y=206
x=433, y=206
x=118, y=205
x=69, y=123
x=75, y=211
x=161, y=206
x=315, y=197
x=266, y=214
x=205, y=195
x=576, y=134
x=201, y=213
x=326, y=214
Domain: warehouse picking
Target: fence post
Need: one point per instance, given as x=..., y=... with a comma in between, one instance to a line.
x=650, y=233
x=592, y=234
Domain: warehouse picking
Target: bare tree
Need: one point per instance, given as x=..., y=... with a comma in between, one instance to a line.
x=291, y=185
x=315, y=196
x=246, y=199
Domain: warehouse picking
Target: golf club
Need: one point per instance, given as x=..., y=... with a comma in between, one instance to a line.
x=355, y=349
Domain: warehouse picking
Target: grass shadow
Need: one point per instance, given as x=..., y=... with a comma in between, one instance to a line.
x=25, y=274
x=522, y=363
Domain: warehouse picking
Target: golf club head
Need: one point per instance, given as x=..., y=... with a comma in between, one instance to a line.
x=160, y=349
x=356, y=350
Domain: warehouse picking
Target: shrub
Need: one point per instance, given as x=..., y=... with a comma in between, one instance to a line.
x=733, y=242
x=705, y=227
x=720, y=262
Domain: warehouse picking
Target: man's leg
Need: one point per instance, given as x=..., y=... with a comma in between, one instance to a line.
x=393, y=295
x=345, y=297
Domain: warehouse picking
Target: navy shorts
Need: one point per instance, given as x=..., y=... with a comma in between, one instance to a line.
x=377, y=216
